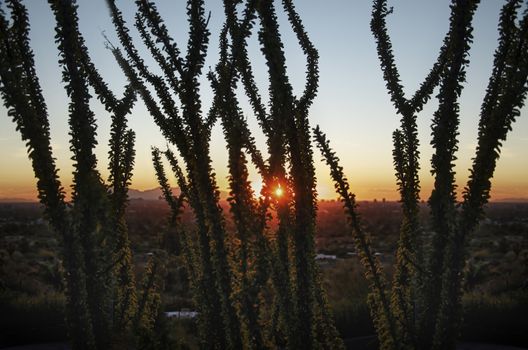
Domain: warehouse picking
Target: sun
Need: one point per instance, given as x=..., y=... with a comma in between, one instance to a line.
x=279, y=191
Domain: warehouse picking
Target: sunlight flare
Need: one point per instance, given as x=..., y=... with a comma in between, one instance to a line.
x=279, y=191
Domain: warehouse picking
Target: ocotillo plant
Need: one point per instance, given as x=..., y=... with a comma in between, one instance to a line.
x=425, y=311
x=232, y=275
x=278, y=143
x=100, y=286
x=217, y=312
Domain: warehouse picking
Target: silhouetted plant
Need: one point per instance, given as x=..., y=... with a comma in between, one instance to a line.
x=219, y=323
x=100, y=284
x=425, y=309
x=234, y=272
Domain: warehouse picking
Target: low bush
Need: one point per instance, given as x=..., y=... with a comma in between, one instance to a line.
x=31, y=319
x=496, y=319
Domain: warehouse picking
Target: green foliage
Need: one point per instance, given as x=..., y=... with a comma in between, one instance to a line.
x=100, y=286
x=425, y=308
x=254, y=283
x=43, y=314
x=495, y=319
x=378, y=298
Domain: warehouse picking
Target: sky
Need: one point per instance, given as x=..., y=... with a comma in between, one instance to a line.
x=352, y=106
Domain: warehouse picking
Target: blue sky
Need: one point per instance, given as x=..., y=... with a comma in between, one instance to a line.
x=352, y=106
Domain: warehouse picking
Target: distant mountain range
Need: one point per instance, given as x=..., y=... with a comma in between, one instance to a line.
x=150, y=195
x=16, y=200
x=156, y=194
x=510, y=200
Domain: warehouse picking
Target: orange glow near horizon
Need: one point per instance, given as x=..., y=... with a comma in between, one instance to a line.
x=502, y=189
x=368, y=183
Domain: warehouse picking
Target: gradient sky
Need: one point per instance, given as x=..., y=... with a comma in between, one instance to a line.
x=352, y=106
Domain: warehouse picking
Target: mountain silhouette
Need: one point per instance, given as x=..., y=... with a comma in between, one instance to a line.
x=152, y=194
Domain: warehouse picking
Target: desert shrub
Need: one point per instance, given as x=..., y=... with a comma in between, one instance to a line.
x=496, y=319
x=28, y=319
x=352, y=318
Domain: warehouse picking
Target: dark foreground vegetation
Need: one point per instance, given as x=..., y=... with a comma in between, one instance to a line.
x=495, y=298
